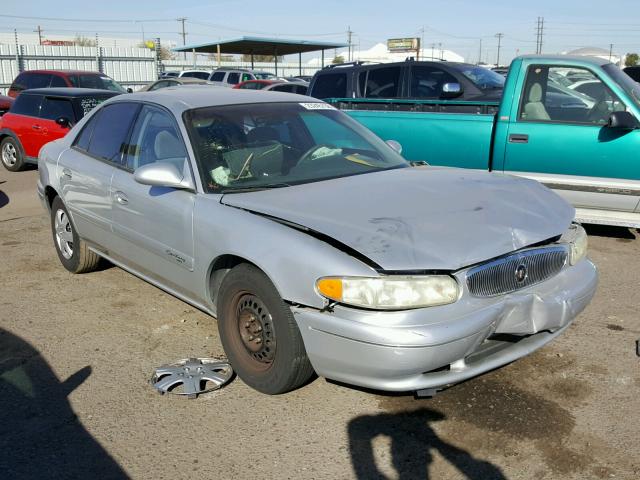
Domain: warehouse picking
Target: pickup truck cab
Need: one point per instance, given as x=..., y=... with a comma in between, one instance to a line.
x=584, y=146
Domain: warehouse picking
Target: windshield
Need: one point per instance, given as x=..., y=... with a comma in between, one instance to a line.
x=264, y=75
x=483, y=78
x=100, y=82
x=625, y=81
x=269, y=145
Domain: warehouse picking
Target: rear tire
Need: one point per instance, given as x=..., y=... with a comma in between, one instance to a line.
x=73, y=252
x=11, y=155
x=259, y=334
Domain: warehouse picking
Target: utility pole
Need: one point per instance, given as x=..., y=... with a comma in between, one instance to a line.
x=539, y=34
x=433, y=45
x=184, y=34
x=480, y=53
x=349, y=33
x=420, y=45
x=441, y=52
x=610, y=50
x=39, y=30
x=499, y=37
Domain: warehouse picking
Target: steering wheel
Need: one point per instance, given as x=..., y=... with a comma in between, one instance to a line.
x=306, y=156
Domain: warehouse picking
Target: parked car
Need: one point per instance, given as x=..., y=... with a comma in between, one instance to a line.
x=228, y=77
x=314, y=244
x=299, y=86
x=633, y=72
x=5, y=104
x=169, y=74
x=304, y=78
x=39, y=116
x=173, y=82
x=409, y=79
x=200, y=74
x=583, y=147
x=253, y=84
x=64, y=78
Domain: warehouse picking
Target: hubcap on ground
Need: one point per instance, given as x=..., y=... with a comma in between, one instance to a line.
x=64, y=234
x=256, y=330
x=9, y=155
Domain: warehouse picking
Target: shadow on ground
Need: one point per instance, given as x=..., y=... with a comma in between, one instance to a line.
x=611, y=232
x=3, y=197
x=40, y=435
x=413, y=443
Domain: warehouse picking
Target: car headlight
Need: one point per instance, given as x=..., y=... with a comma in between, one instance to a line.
x=390, y=293
x=578, y=244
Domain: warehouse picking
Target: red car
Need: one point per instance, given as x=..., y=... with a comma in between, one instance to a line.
x=63, y=78
x=40, y=116
x=255, y=84
x=5, y=104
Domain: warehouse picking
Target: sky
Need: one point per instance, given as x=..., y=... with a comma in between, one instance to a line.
x=459, y=25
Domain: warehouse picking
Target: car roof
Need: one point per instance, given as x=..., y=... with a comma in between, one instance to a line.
x=70, y=92
x=187, y=97
x=580, y=59
x=67, y=72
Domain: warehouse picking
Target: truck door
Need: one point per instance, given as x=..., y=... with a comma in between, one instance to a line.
x=558, y=136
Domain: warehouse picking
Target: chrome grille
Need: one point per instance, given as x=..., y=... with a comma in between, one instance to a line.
x=505, y=274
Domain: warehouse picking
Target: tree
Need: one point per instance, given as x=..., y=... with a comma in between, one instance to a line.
x=82, y=41
x=261, y=58
x=165, y=53
x=631, y=59
x=337, y=59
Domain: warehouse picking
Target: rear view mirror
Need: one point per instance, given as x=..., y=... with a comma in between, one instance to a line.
x=622, y=121
x=451, y=90
x=129, y=90
x=64, y=122
x=395, y=145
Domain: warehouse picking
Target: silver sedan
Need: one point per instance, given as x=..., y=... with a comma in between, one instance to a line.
x=313, y=242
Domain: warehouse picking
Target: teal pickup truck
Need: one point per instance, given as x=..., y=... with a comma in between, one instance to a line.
x=568, y=122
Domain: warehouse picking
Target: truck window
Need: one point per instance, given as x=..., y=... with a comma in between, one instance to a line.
x=333, y=85
x=427, y=82
x=566, y=95
x=381, y=82
x=217, y=77
x=233, y=78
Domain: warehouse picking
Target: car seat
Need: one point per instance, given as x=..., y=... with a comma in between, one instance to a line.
x=534, y=108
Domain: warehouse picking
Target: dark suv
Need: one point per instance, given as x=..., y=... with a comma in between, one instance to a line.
x=40, y=116
x=409, y=79
x=63, y=78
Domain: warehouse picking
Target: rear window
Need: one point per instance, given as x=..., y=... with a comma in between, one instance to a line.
x=200, y=75
x=332, y=85
x=89, y=103
x=27, y=105
x=217, y=77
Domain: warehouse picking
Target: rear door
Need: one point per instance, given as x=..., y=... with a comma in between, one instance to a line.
x=154, y=225
x=560, y=138
x=86, y=169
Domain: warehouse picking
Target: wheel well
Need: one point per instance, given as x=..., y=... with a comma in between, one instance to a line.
x=50, y=194
x=219, y=268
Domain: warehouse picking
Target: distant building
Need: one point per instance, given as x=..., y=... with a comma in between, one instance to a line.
x=8, y=38
x=595, y=52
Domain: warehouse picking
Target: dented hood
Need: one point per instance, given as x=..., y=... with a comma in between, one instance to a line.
x=423, y=218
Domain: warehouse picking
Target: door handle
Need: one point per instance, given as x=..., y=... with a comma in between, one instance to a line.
x=518, y=138
x=121, y=198
x=35, y=127
x=66, y=172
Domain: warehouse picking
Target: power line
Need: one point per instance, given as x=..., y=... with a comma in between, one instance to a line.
x=83, y=20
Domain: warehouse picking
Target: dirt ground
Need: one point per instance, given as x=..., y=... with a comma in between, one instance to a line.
x=76, y=354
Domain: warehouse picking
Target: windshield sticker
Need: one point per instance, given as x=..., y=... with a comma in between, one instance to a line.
x=317, y=106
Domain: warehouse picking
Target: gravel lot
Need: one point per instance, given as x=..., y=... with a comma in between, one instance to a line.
x=76, y=354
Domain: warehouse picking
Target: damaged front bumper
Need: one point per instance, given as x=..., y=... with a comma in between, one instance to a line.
x=432, y=348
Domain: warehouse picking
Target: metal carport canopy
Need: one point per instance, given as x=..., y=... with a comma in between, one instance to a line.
x=261, y=46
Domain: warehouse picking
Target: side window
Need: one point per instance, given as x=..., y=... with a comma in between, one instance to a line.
x=54, y=108
x=233, y=78
x=332, y=85
x=111, y=131
x=155, y=139
x=160, y=85
x=27, y=104
x=84, y=138
x=217, y=77
x=37, y=80
x=382, y=82
x=245, y=77
x=566, y=95
x=58, y=81
x=427, y=82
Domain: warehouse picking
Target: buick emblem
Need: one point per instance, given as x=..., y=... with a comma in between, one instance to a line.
x=521, y=273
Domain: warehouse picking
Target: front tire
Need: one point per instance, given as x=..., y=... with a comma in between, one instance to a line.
x=259, y=334
x=11, y=155
x=73, y=252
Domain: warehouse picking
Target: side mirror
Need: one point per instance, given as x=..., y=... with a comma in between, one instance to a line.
x=162, y=174
x=129, y=90
x=395, y=145
x=622, y=121
x=64, y=122
x=451, y=90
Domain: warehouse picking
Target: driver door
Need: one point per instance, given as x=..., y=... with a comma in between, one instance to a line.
x=560, y=138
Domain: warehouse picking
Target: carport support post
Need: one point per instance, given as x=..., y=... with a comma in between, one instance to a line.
x=251, y=59
x=275, y=57
x=322, y=62
x=218, y=50
x=193, y=52
x=300, y=63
